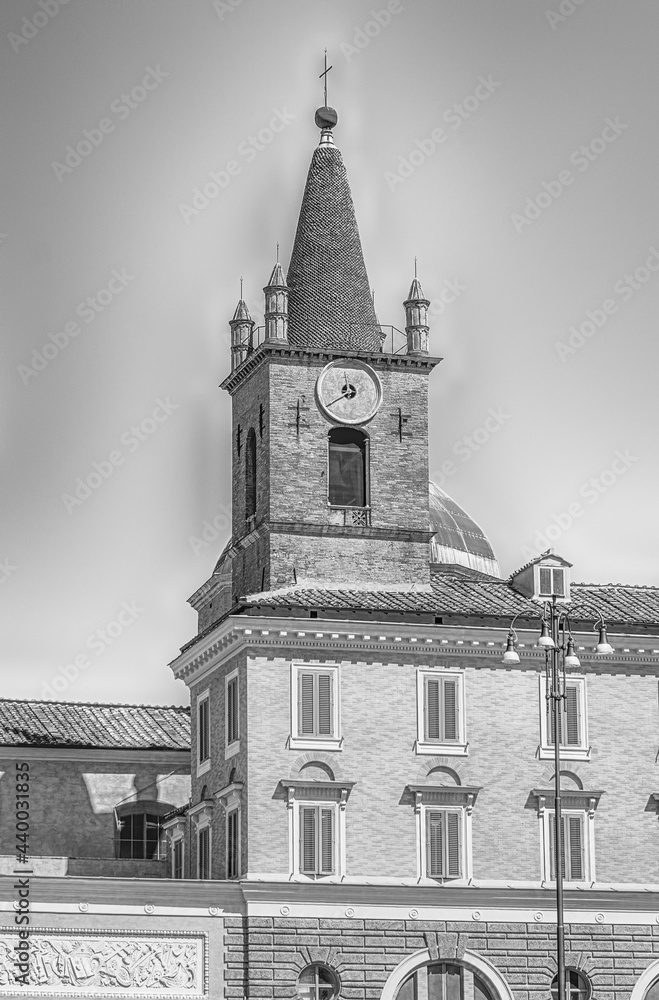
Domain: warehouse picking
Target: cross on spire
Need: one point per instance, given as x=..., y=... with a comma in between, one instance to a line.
x=324, y=75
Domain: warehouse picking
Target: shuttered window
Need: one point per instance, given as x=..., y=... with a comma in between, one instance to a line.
x=232, y=711
x=442, y=709
x=203, y=853
x=315, y=715
x=177, y=859
x=203, y=730
x=444, y=843
x=572, y=847
x=571, y=729
x=317, y=840
x=233, y=846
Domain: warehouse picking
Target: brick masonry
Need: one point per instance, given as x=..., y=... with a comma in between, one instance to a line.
x=292, y=483
x=264, y=955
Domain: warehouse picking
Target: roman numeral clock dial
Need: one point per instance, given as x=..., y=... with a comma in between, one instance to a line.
x=348, y=391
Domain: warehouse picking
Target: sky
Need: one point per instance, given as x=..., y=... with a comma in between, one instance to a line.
x=156, y=151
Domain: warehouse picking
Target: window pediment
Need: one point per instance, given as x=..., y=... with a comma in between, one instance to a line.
x=573, y=798
x=338, y=791
x=458, y=795
x=202, y=813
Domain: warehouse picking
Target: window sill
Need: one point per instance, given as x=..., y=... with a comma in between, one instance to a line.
x=232, y=749
x=566, y=753
x=203, y=767
x=442, y=749
x=314, y=743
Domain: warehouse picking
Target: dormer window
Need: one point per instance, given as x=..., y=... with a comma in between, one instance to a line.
x=551, y=581
x=348, y=467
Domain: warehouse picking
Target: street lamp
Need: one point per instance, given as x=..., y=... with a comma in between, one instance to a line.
x=556, y=640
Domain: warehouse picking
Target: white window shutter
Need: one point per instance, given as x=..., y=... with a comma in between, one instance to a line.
x=305, y=704
x=324, y=704
x=572, y=727
x=450, y=690
x=432, y=703
x=308, y=840
x=326, y=841
x=454, y=844
x=575, y=840
x=435, y=848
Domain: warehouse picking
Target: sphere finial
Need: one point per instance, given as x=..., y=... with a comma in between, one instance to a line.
x=325, y=117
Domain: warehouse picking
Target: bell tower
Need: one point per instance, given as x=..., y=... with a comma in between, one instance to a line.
x=329, y=437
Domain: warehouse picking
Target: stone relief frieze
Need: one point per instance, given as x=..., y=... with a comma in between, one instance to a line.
x=84, y=965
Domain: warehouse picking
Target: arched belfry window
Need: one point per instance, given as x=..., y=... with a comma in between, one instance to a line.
x=348, y=467
x=250, y=474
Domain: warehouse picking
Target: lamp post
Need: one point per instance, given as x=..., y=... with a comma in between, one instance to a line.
x=558, y=644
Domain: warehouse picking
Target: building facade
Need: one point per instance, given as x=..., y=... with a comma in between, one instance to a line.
x=370, y=810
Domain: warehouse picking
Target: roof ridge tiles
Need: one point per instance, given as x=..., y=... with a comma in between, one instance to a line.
x=91, y=704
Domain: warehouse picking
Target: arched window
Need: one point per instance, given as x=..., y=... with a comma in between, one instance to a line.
x=139, y=828
x=317, y=982
x=348, y=467
x=576, y=986
x=250, y=474
x=442, y=981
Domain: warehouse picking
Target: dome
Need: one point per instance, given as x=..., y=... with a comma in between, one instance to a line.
x=457, y=538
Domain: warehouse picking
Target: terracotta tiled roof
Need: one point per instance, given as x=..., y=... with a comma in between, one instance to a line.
x=130, y=727
x=329, y=301
x=486, y=597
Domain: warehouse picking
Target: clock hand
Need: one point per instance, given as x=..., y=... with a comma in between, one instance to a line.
x=342, y=396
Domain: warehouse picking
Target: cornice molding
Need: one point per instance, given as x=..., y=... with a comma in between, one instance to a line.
x=424, y=642
x=318, y=357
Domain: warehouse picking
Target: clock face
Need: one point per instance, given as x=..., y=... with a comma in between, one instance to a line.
x=348, y=392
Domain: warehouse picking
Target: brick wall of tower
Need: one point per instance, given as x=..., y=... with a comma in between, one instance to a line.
x=503, y=707
x=398, y=470
x=292, y=469
x=246, y=404
x=264, y=955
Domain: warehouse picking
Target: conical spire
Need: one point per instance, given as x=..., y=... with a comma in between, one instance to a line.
x=276, y=306
x=416, y=318
x=330, y=302
x=242, y=332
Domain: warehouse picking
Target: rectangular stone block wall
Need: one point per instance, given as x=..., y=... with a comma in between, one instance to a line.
x=264, y=955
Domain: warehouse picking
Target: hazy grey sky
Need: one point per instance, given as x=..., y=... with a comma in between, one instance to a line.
x=511, y=145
